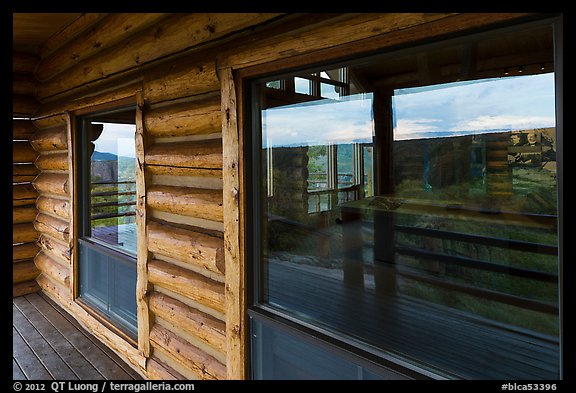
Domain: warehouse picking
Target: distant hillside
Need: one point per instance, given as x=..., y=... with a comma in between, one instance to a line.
x=100, y=156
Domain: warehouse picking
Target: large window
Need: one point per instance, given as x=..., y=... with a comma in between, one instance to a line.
x=406, y=205
x=107, y=241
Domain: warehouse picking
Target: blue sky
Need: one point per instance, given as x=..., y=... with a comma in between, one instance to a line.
x=458, y=108
x=117, y=139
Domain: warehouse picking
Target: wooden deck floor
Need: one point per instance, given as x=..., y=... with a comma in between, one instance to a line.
x=49, y=344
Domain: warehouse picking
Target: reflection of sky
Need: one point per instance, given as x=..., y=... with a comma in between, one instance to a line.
x=117, y=139
x=319, y=122
x=458, y=108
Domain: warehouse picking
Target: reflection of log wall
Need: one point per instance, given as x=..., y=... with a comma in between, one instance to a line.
x=24, y=235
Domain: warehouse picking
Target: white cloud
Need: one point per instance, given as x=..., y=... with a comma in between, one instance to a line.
x=514, y=122
x=405, y=127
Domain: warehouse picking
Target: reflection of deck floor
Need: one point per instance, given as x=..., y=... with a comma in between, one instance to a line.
x=128, y=238
x=49, y=344
x=446, y=339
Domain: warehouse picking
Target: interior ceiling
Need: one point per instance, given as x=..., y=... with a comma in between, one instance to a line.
x=31, y=30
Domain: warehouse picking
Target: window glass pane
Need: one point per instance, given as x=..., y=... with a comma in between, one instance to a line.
x=113, y=185
x=417, y=213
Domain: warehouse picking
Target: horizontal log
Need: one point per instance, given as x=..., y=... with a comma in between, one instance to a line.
x=207, y=328
x=23, y=62
x=187, y=246
x=23, y=152
x=192, y=202
x=50, y=139
x=24, y=288
x=197, y=118
x=22, y=129
x=77, y=26
x=52, y=268
x=24, y=106
x=52, y=183
x=59, y=207
x=315, y=37
x=24, y=271
x=24, y=251
x=188, y=283
x=179, y=171
x=55, y=227
x=53, y=288
x=52, y=162
x=191, y=357
x=199, y=154
x=23, y=194
x=54, y=247
x=24, y=233
x=184, y=78
x=106, y=32
x=50, y=121
x=21, y=214
x=24, y=173
x=157, y=370
x=174, y=34
x=23, y=84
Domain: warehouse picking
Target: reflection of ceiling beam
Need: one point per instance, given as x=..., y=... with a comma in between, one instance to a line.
x=470, y=69
x=468, y=61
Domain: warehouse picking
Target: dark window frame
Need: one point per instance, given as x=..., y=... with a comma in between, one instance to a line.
x=254, y=173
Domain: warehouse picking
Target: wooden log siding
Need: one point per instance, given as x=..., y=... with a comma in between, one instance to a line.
x=184, y=119
x=52, y=183
x=24, y=271
x=54, y=269
x=188, y=201
x=21, y=252
x=23, y=152
x=194, y=322
x=50, y=139
x=181, y=79
x=187, y=355
x=24, y=233
x=57, y=161
x=106, y=32
x=205, y=154
x=22, y=214
x=54, y=247
x=59, y=207
x=22, y=129
x=55, y=227
x=176, y=33
x=23, y=194
x=185, y=282
x=24, y=173
x=188, y=246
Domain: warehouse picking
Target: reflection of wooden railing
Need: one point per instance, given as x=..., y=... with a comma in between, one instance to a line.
x=425, y=256
x=94, y=204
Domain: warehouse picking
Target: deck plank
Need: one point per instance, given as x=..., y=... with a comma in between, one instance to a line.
x=41, y=348
x=17, y=374
x=74, y=359
x=79, y=339
x=29, y=364
x=129, y=370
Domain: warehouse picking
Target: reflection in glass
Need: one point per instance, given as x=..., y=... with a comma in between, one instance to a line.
x=415, y=212
x=113, y=185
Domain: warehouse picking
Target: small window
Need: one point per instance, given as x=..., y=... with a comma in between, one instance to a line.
x=107, y=235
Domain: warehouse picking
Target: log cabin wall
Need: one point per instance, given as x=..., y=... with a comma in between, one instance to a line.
x=184, y=70
x=24, y=235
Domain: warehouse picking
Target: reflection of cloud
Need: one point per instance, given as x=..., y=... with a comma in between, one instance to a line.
x=406, y=127
x=513, y=122
x=323, y=122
